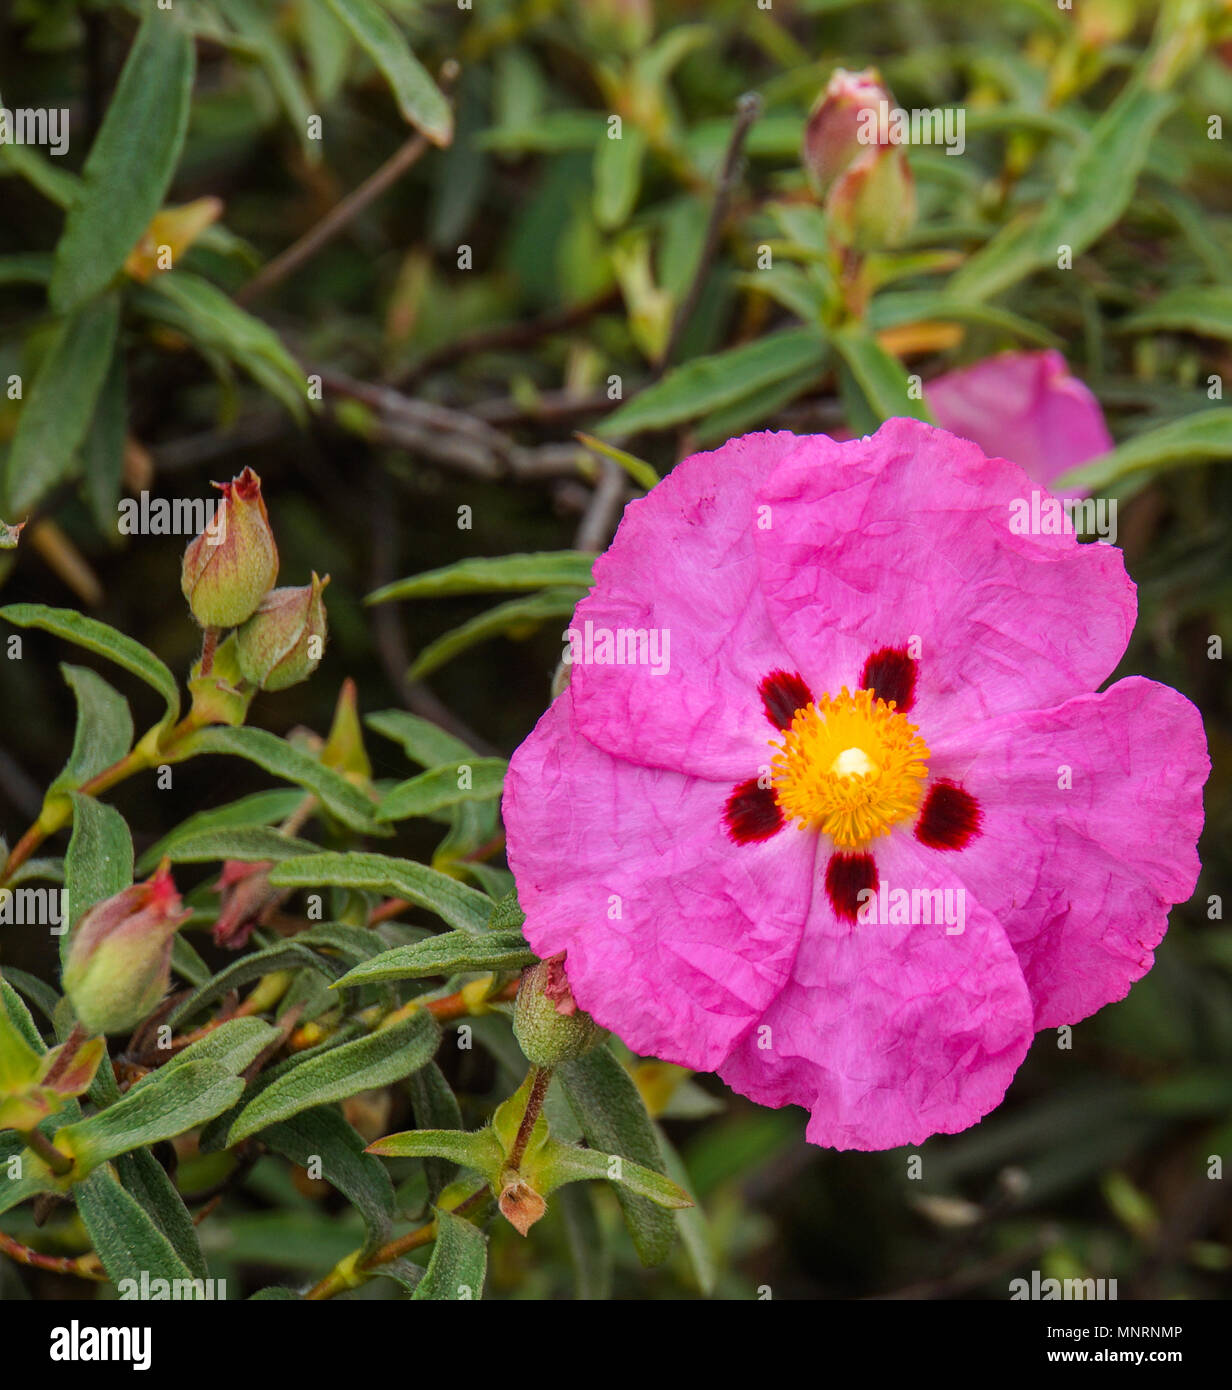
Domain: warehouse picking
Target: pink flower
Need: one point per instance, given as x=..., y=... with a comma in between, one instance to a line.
x=696, y=832
x=1023, y=406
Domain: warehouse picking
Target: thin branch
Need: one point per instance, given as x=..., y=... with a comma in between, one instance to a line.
x=344, y=213
x=748, y=108
x=603, y=513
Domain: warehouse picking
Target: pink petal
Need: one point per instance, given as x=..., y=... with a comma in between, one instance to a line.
x=682, y=562
x=1024, y=406
x=1082, y=878
x=906, y=534
x=890, y=1033
x=706, y=929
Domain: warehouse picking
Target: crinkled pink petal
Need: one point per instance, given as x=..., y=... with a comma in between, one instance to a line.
x=906, y=535
x=889, y=1033
x=1024, y=406
x=1082, y=876
x=676, y=940
x=682, y=563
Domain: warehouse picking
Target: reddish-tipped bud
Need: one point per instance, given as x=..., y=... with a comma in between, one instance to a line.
x=247, y=901
x=871, y=205
x=844, y=123
x=284, y=640
x=234, y=561
x=119, y=959
x=549, y=1026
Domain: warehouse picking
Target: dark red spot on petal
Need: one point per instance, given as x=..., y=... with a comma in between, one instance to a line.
x=890, y=675
x=752, y=813
x=846, y=876
x=950, y=819
x=782, y=694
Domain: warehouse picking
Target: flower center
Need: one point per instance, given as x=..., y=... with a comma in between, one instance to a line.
x=850, y=766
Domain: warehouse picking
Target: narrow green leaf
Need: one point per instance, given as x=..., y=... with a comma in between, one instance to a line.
x=1197, y=438
x=438, y=788
x=435, y=1107
x=488, y=574
x=422, y=741
x=127, y=1238
x=881, y=378
x=233, y=1046
x=262, y=808
x=103, y=641
x=385, y=1056
x=57, y=413
x=99, y=862
x=102, y=452
x=248, y=843
x=638, y=469
x=515, y=618
x=216, y=324
x=617, y=176
x=453, y=902
x=132, y=161
x=478, y=1150
x=418, y=97
x=451, y=953
x=566, y=1163
x=710, y=382
x=323, y=1135
x=289, y=956
x=1202, y=309
x=279, y=757
x=144, y=1178
x=104, y=731
x=914, y=306
x=458, y=1264
x=165, y=1103
x=614, y=1120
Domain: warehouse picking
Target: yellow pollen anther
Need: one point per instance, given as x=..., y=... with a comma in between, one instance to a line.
x=850, y=766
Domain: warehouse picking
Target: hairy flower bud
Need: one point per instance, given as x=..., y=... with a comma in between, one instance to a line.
x=838, y=131
x=549, y=1026
x=119, y=959
x=284, y=640
x=234, y=561
x=247, y=901
x=872, y=203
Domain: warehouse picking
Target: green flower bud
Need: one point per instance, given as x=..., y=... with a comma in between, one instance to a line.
x=119, y=959
x=284, y=640
x=843, y=125
x=871, y=205
x=549, y=1026
x=234, y=561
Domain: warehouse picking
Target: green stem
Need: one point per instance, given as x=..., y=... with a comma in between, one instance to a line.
x=38, y=1142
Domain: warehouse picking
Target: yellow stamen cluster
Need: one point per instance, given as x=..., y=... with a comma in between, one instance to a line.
x=850, y=766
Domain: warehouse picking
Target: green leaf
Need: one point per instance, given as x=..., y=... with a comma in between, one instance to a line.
x=126, y=1237
x=216, y=324
x=279, y=757
x=163, y=1104
x=592, y=1264
x=450, y=953
x=1092, y=193
x=99, y=862
x=435, y=1107
x=262, y=808
x=638, y=469
x=289, y=956
x=422, y=741
x=102, y=451
x=609, y=1109
x=233, y=1045
x=132, y=161
x=478, y=1150
x=1197, y=438
x=250, y=844
x=515, y=618
x=56, y=416
x=565, y=1163
x=103, y=641
x=710, y=382
x=691, y=1222
x=488, y=574
x=418, y=97
x=915, y=306
x=438, y=788
x=25, y=267
x=144, y=1178
x=322, y=1134
x=458, y=1264
x=1202, y=309
x=881, y=378
x=104, y=731
x=618, y=176
x=453, y=902
x=385, y=1056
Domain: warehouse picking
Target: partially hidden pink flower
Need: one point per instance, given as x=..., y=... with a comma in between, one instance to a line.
x=247, y=901
x=812, y=675
x=1024, y=406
